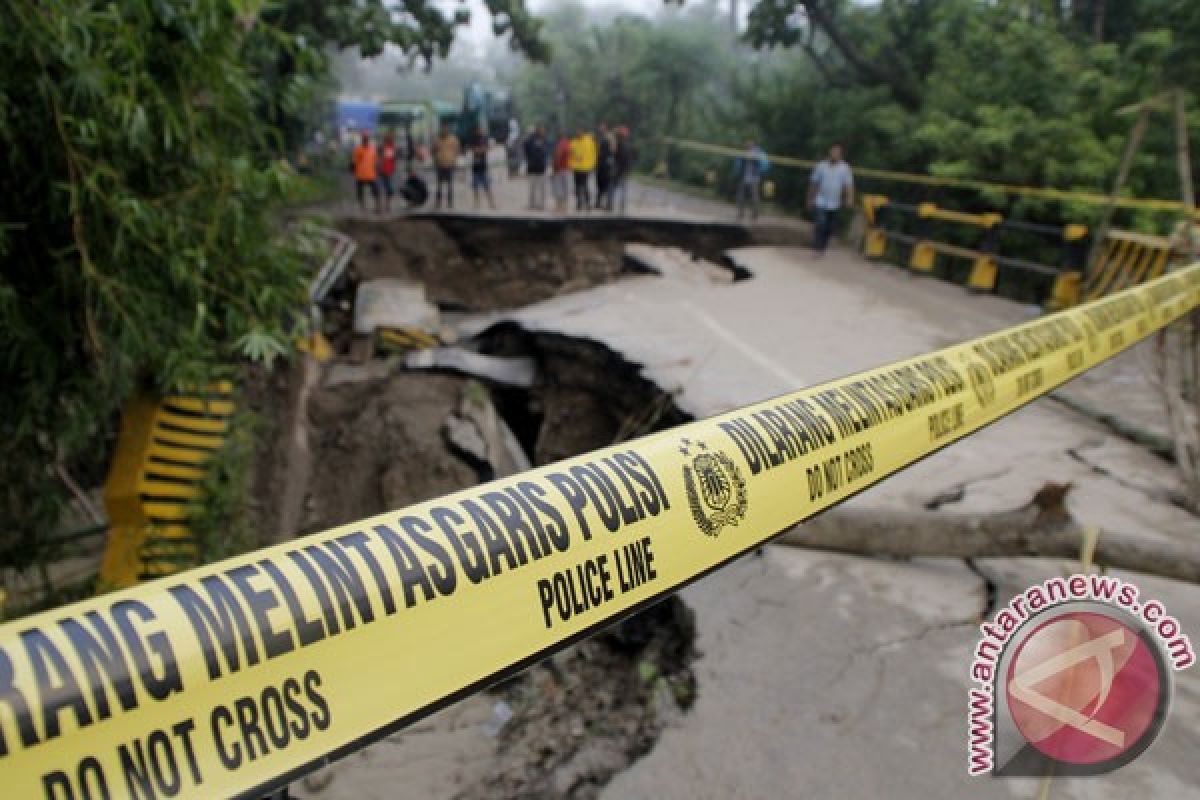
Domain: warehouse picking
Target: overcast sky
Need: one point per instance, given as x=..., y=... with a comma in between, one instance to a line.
x=479, y=33
x=473, y=55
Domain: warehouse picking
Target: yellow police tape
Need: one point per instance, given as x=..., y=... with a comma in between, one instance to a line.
x=1090, y=198
x=238, y=677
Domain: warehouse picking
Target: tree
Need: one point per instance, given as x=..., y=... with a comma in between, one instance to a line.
x=654, y=76
x=1018, y=91
x=419, y=29
x=138, y=229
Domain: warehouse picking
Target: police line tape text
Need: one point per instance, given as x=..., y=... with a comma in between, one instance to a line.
x=585, y=586
x=255, y=612
x=163, y=763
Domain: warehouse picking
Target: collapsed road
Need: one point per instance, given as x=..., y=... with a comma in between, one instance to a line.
x=803, y=658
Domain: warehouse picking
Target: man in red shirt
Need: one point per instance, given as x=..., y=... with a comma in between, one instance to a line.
x=387, y=168
x=562, y=171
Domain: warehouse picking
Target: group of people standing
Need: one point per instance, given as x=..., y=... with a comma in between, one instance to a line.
x=550, y=163
x=607, y=157
x=447, y=150
x=374, y=171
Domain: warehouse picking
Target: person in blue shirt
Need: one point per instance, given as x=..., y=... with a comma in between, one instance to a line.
x=749, y=169
x=831, y=187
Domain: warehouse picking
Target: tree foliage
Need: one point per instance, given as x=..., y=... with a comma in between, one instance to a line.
x=1014, y=91
x=655, y=75
x=139, y=237
x=1017, y=91
x=421, y=30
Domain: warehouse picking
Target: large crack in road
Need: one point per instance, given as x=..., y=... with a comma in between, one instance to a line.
x=780, y=658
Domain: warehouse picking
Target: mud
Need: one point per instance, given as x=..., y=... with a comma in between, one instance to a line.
x=480, y=275
x=485, y=263
x=375, y=443
x=266, y=396
x=353, y=440
x=592, y=710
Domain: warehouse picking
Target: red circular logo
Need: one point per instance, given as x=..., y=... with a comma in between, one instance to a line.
x=1085, y=688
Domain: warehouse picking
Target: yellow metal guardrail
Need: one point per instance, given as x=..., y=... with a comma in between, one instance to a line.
x=162, y=453
x=1127, y=259
x=984, y=260
x=1063, y=195
x=986, y=220
x=238, y=677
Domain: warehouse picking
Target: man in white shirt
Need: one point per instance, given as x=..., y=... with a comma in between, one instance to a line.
x=831, y=187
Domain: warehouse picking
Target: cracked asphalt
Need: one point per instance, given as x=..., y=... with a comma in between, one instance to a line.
x=825, y=675
x=838, y=676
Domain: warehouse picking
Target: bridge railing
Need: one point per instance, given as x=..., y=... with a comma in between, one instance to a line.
x=1150, y=204
x=1126, y=259
x=1031, y=261
x=909, y=233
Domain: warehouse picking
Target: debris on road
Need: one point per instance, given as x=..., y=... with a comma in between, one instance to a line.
x=393, y=303
x=519, y=371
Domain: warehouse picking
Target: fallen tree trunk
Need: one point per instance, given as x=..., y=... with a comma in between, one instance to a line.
x=1041, y=529
x=1156, y=443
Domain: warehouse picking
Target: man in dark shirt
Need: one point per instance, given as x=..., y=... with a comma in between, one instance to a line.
x=622, y=167
x=479, y=168
x=535, y=166
x=606, y=146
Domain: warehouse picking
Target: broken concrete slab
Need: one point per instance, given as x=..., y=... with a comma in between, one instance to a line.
x=676, y=263
x=341, y=372
x=831, y=674
x=518, y=371
x=477, y=431
x=393, y=303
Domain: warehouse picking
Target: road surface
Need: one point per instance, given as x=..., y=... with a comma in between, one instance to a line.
x=835, y=676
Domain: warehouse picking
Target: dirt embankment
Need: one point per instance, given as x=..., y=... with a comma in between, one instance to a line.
x=589, y=712
x=375, y=442
x=377, y=445
x=481, y=263
x=480, y=275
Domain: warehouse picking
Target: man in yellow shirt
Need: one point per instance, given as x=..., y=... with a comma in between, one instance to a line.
x=365, y=158
x=446, y=151
x=582, y=162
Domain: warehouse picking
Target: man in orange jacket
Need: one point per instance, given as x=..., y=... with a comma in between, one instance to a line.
x=365, y=158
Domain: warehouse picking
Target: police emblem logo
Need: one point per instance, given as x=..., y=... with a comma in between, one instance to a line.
x=716, y=491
